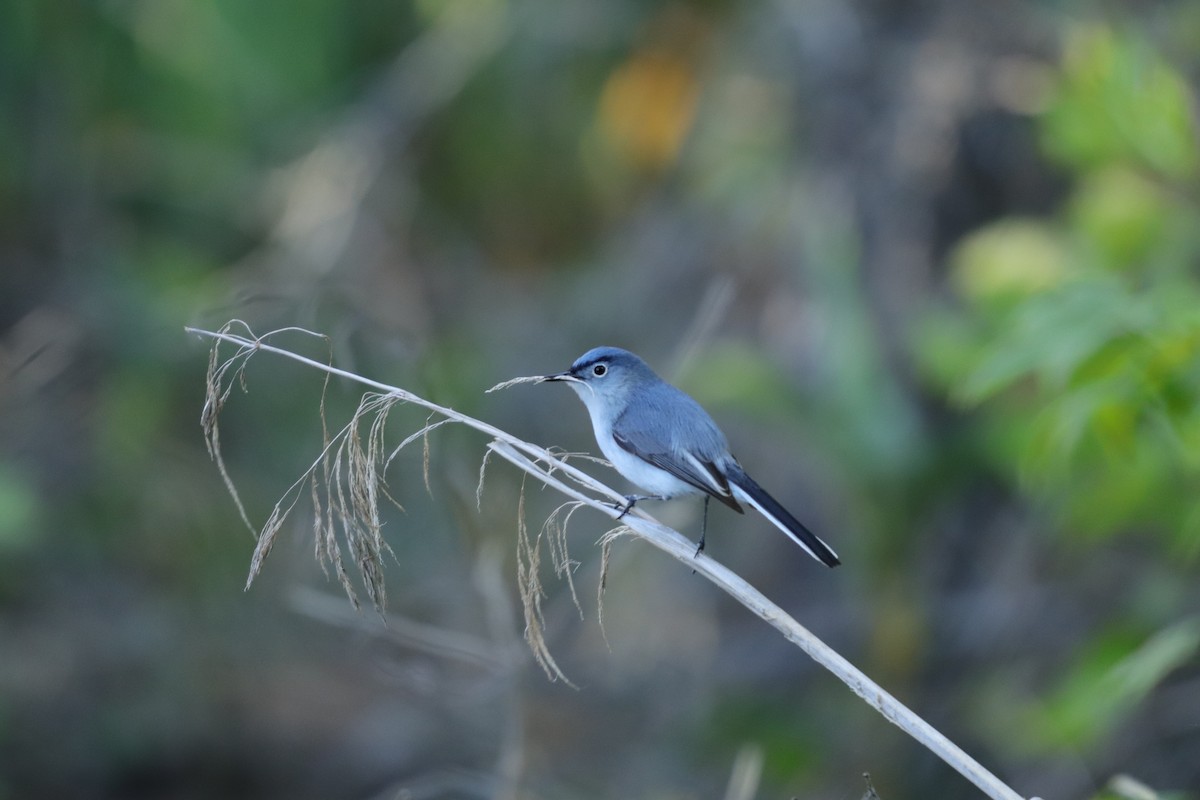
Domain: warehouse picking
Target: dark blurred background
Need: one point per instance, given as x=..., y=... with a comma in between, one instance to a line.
x=934, y=266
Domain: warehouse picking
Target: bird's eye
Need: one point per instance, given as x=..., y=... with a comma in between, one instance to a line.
x=599, y=370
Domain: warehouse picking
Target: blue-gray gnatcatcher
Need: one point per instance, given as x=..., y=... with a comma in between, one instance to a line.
x=663, y=441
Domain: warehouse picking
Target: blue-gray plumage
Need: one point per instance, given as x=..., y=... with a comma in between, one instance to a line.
x=663, y=441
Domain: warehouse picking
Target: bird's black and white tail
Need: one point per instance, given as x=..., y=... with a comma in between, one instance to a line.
x=746, y=490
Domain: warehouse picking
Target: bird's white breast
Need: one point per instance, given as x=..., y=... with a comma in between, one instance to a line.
x=642, y=474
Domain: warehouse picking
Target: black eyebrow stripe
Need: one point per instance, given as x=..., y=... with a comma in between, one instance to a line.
x=587, y=364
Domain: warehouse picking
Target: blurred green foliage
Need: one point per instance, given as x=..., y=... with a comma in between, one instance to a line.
x=1110, y=677
x=1080, y=337
x=1077, y=349
x=1119, y=102
x=18, y=505
x=460, y=191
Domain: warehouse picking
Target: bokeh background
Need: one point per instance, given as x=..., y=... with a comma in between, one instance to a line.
x=934, y=266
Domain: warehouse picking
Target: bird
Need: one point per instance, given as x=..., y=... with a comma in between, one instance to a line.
x=664, y=442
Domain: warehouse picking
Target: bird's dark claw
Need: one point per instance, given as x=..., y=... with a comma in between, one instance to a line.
x=703, y=528
x=630, y=499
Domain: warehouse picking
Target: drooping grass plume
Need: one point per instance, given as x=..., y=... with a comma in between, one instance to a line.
x=346, y=483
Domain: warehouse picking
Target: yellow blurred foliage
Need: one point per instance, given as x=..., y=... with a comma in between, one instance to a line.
x=1011, y=257
x=1122, y=212
x=647, y=107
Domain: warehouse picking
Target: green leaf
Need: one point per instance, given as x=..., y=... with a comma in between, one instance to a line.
x=1161, y=654
x=1101, y=689
x=1121, y=213
x=1049, y=336
x=1009, y=259
x=1118, y=102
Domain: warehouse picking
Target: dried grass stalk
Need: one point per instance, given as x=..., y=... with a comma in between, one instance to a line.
x=353, y=505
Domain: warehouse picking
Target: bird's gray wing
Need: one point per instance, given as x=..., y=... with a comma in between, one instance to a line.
x=672, y=432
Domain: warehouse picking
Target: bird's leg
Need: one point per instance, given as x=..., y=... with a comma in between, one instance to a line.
x=703, y=525
x=631, y=499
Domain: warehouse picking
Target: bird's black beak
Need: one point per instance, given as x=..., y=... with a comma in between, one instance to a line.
x=561, y=376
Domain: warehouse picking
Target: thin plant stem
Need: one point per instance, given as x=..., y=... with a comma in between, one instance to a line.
x=580, y=487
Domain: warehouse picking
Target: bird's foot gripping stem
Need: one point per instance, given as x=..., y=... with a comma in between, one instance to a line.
x=633, y=499
x=703, y=528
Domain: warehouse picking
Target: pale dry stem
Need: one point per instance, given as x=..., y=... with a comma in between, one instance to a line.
x=552, y=471
x=515, y=382
x=483, y=462
x=216, y=393
x=554, y=531
x=346, y=482
x=606, y=543
x=529, y=584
